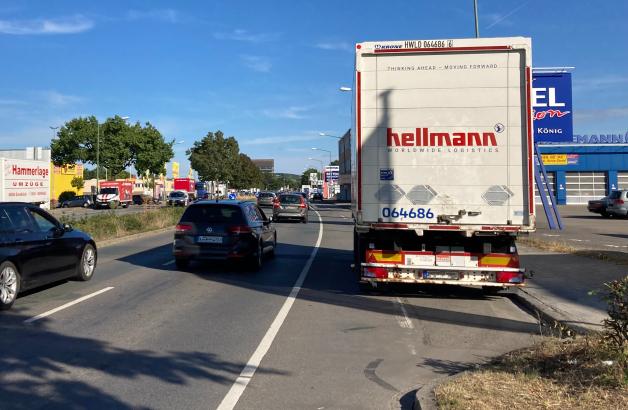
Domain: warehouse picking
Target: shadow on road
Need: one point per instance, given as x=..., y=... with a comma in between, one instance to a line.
x=35, y=362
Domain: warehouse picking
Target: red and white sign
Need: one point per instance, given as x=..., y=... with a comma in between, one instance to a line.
x=25, y=181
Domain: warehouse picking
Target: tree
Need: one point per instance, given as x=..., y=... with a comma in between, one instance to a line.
x=149, y=150
x=335, y=162
x=215, y=157
x=248, y=175
x=121, y=145
x=305, y=177
x=78, y=183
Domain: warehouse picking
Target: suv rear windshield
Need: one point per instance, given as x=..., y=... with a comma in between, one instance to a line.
x=266, y=195
x=213, y=214
x=615, y=195
x=290, y=199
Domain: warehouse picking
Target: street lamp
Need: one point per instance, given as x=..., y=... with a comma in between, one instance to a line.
x=326, y=150
x=322, y=134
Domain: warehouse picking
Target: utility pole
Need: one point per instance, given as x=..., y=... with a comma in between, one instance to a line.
x=475, y=11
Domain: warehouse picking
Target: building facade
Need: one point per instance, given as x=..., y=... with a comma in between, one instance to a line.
x=588, y=168
x=265, y=165
x=344, y=159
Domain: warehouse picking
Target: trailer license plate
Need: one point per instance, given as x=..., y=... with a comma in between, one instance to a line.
x=441, y=275
x=209, y=239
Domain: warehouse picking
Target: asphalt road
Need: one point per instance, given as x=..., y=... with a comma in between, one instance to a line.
x=160, y=338
x=585, y=230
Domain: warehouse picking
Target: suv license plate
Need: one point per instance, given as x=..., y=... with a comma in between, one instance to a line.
x=209, y=239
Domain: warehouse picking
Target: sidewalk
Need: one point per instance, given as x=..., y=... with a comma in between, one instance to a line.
x=561, y=283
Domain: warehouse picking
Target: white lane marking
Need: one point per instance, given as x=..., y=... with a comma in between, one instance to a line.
x=579, y=240
x=168, y=263
x=549, y=234
x=238, y=387
x=404, y=321
x=67, y=305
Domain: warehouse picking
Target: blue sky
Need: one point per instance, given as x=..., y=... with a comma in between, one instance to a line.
x=268, y=72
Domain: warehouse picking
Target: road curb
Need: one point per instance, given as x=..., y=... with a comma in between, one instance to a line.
x=115, y=241
x=424, y=397
x=548, y=315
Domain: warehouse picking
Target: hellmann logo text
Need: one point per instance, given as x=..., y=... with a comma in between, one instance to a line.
x=422, y=137
x=27, y=171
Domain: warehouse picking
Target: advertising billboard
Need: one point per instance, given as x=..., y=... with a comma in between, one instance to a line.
x=552, y=107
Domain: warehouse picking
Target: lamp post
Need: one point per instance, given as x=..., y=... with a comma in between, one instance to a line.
x=322, y=134
x=475, y=12
x=326, y=150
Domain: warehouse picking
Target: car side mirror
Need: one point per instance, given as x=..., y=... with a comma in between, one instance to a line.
x=67, y=228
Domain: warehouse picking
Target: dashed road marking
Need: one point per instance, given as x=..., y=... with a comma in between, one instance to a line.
x=67, y=305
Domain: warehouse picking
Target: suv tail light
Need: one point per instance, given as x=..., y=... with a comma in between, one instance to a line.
x=181, y=228
x=302, y=204
x=276, y=203
x=618, y=202
x=239, y=229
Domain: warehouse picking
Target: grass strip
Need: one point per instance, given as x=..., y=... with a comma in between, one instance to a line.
x=581, y=373
x=110, y=225
x=620, y=258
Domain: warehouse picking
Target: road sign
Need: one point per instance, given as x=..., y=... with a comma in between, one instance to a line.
x=313, y=176
x=232, y=195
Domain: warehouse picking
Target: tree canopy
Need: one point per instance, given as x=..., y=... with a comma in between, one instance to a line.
x=115, y=144
x=215, y=157
x=305, y=177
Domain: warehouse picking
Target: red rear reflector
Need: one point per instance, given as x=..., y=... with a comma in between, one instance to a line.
x=509, y=277
x=183, y=228
x=239, y=229
x=377, y=272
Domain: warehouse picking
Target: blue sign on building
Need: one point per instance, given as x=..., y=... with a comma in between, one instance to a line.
x=552, y=108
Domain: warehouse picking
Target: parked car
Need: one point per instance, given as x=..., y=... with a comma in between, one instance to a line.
x=266, y=199
x=618, y=203
x=178, y=198
x=36, y=249
x=224, y=230
x=145, y=200
x=598, y=206
x=84, y=201
x=290, y=206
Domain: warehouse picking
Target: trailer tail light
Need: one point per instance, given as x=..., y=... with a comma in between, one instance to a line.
x=182, y=228
x=239, y=229
x=499, y=260
x=380, y=273
x=509, y=277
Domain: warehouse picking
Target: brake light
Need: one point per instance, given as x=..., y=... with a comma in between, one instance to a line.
x=302, y=204
x=509, y=277
x=181, y=228
x=276, y=203
x=239, y=229
x=618, y=202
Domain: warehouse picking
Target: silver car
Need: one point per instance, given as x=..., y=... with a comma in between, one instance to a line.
x=618, y=203
x=290, y=206
x=266, y=199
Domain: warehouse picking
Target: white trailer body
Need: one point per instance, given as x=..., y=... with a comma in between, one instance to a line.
x=23, y=180
x=443, y=139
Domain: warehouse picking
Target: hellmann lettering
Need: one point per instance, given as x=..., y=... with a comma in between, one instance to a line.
x=422, y=137
x=27, y=171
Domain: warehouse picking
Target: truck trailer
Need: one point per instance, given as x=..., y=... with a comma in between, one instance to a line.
x=442, y=185
x=23, y=180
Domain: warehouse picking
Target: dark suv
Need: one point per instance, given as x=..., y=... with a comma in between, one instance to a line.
x=36, y=249
x=214, y=230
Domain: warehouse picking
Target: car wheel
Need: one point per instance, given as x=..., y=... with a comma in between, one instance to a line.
x=87, y=264
x=85, y=205
x=9, y=285
x=272, y=252
x=257, y=259
x=182, y=263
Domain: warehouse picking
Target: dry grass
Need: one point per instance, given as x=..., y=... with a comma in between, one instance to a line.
x=561, y=247
x=110, y=225
x=555, y=374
